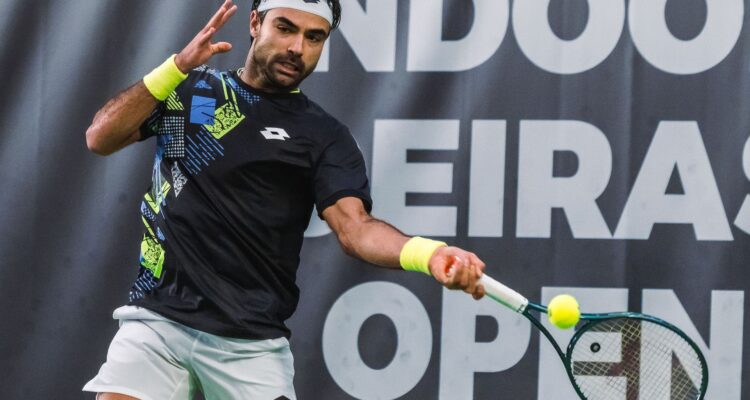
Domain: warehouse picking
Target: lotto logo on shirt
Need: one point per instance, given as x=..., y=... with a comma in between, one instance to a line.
x=275, y=134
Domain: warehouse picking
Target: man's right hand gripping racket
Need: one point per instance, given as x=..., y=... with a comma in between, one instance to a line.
x=622, y=355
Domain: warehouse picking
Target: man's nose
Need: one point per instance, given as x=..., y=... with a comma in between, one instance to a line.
x=295, y=47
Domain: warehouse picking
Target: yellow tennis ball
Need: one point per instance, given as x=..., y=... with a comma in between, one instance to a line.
x=563, y=311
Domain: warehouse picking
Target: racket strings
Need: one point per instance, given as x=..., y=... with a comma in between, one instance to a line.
x=634, y=359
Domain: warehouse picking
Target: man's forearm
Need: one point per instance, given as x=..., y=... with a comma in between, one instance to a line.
x=376, y=242
x=379, y=243
x=116, y=124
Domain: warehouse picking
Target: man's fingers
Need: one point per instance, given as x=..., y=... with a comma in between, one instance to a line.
x=215, y=18
x=460, y=277
x=475, y=288
x=475, y=261
x=219, y=14
x=473, y=278
x=478, y=293
x=204, y=38
x=467, y=279
x=221, y=47
x=448, y=271
x=200, y=49
x=452, y=276
x=219, y=23
x=466, y=276
x=463, y=272
x=226, y=17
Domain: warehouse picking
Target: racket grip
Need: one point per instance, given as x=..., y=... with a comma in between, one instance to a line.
x=503, y=294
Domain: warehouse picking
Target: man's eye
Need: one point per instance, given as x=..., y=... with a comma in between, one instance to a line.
x=284, y=29
x=315, y=38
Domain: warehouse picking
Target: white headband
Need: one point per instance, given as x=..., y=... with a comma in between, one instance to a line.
x=317, y=7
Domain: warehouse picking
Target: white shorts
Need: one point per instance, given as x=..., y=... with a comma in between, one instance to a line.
x=153, y=358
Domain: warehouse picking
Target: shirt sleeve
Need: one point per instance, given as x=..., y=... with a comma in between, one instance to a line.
x=150, y=127
x=162, y=119
x=341, y=172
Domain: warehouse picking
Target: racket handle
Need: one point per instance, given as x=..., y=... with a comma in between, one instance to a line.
x=503, y=294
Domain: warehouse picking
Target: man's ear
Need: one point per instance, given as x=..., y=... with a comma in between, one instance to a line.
x=254, y=23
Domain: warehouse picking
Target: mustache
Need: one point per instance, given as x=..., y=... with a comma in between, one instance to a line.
x=294, y=60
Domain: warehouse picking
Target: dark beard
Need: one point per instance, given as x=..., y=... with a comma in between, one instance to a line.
x=270, y=78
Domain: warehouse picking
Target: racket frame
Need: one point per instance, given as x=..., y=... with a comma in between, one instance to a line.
x=520, y=304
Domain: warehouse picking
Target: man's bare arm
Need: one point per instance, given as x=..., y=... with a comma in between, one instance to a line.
x=116, y=125
x=379, y=243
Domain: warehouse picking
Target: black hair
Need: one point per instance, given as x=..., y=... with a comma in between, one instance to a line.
x=335, y=9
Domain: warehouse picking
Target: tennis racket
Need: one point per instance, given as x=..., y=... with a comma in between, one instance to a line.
x=621, y=355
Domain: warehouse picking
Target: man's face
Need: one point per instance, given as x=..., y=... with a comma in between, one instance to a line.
x=287, y=45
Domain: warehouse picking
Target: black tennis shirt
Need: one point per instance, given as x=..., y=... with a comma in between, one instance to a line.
x=235, y=178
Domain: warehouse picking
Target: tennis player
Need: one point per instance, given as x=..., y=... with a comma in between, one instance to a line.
x=242, y=157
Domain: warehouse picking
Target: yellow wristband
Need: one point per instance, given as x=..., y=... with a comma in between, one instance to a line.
x=416, y=254
x=162, y=81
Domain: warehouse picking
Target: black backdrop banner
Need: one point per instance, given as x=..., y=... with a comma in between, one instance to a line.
x=597, y=147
